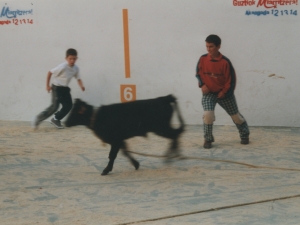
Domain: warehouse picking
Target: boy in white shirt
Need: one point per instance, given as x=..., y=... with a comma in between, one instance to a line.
x=62, y=75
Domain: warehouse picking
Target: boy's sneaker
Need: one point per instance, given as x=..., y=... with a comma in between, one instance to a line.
x=244, y=141
x=56, y=123
x=207, y=144
x=35, y=123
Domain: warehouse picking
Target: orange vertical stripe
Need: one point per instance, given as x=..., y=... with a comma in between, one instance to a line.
x=126, y=43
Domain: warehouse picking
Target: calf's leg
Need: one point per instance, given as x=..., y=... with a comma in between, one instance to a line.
x=135, y=163
x=173, y=150
x=112, y=156
x=168, y=132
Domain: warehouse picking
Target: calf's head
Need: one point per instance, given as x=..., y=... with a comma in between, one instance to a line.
x=80, y=114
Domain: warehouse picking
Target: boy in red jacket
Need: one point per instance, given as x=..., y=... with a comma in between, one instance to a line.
x=217, y=80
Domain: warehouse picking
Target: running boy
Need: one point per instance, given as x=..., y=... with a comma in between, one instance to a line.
x=216, y=77
x=62, y=75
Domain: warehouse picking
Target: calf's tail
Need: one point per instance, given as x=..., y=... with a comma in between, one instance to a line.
x=173, y=100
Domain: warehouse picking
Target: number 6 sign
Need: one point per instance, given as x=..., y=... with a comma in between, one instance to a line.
x=128, y=92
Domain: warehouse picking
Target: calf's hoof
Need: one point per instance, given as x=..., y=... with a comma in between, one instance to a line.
x=168, y=160
x=105, y=172
x=136, y=165
x=172, y=155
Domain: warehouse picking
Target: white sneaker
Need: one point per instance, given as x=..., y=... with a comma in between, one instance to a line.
x=56, y=123
x=35, y=122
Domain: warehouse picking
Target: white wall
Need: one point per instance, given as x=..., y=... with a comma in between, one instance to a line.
x=166, y=41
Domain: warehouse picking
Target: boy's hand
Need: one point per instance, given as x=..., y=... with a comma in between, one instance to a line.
x=205, y=89
x=81, y=84
x=221, y=94
x=48, y=88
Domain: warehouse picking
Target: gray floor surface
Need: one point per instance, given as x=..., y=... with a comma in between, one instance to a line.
x=52, y=176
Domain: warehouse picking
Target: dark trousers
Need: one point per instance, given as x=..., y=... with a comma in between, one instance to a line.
x=60, y=95
x=229, y=104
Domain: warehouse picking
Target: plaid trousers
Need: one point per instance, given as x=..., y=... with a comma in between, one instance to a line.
x=229, y=104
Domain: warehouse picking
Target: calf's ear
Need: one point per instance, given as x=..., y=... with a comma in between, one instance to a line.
x=82, y=110
x=77, y=100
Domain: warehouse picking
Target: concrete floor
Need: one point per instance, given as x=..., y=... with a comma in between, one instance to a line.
x=52, y=176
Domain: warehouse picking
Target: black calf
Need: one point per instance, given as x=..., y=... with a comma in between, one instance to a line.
x=113, y=124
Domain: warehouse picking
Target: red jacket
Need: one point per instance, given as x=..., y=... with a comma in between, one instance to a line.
x=217, y=74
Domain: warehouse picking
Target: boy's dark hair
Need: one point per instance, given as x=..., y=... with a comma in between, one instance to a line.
x=71, y=51
x=215, y=39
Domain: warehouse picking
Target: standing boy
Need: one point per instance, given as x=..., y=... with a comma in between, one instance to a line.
x=217, y=80
x=62, y=75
